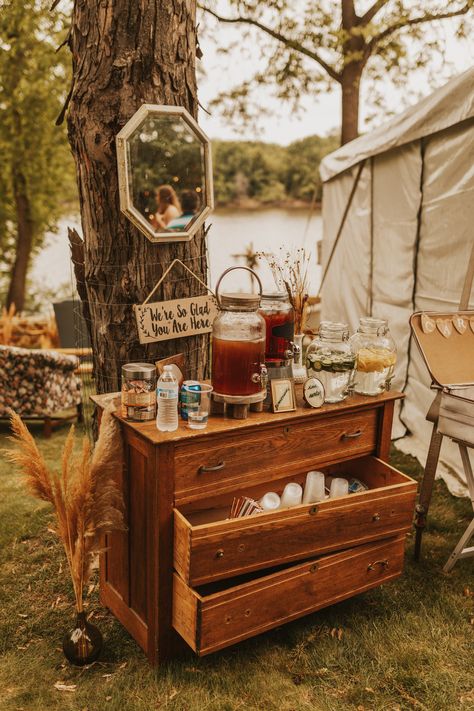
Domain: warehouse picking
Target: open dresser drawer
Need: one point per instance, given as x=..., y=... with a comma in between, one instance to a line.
x=208, y=546
x=216, y=616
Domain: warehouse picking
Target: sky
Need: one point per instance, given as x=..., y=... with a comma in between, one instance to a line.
x=321, y=114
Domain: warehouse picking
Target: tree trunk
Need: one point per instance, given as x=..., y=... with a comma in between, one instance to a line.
x=24, y=242
x=351, y=72
x=126, y=54
x=350, y=84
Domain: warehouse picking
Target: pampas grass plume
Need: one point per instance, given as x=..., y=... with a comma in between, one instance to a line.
x=84, y=494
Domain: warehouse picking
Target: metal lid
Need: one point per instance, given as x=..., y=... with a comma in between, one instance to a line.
x=139, y=371
x=240, y=302
x=275, y=295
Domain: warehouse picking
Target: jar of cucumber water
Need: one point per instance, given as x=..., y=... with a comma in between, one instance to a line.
x=330, y=359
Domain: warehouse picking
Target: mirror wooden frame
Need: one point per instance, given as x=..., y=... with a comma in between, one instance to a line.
x=126, y=201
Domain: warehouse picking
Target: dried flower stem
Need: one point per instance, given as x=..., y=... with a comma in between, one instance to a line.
x=291, y=273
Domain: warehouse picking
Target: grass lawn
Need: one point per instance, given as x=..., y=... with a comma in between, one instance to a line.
x=408, y=645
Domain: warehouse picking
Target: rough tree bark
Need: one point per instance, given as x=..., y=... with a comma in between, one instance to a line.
x=125, y=54
x=24, y=242
x=351, y=73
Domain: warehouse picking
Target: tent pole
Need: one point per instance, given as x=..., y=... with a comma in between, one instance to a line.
x=342, y=223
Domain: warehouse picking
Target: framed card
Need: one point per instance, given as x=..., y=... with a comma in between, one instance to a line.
x=283, y=395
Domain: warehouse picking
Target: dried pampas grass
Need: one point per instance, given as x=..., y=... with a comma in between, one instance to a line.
x=85, y=497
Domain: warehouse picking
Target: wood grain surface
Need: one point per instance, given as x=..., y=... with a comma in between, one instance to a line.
x=209, y=620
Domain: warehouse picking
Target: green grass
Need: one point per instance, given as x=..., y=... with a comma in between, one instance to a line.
x=407, y=645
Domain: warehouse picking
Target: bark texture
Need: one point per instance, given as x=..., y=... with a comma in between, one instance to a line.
x=353, y=54
x=125, y=54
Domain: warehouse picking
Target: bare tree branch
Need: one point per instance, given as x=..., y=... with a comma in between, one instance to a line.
x=371, y=12
x=278, y=36
x=429, y=17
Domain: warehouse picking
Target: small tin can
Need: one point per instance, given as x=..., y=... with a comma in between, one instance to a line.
x=188, y=399
x=138, y=392
x=356, y=486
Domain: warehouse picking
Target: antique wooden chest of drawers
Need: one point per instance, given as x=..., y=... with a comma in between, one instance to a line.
x=184, y=571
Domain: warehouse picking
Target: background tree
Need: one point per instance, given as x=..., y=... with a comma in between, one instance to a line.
x=125, y=54
x=315, y=44
x=37, y=171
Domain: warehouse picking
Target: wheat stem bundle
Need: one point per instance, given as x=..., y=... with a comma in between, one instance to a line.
x=85, y=497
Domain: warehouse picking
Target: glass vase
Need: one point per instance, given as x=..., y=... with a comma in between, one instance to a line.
x=299, y=370
x=83, y=644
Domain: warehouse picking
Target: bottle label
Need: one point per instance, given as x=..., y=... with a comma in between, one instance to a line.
x=284, y=330
x=166, y=394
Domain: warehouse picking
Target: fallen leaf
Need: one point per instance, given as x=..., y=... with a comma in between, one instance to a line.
x=22, y=614
x=61, y=686
x=369, y=690
x=173, y=693
x=108, y=698
x=106, y=676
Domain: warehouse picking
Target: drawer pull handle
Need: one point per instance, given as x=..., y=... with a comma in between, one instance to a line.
x=220, y=553
x=352, y=435
x=376, y=517
x=313, y=510
x=383, y=564
x=215, y=468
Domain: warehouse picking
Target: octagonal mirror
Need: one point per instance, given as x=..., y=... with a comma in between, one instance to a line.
x=165, y=173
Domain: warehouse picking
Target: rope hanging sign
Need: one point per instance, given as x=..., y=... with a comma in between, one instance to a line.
x=163, y=320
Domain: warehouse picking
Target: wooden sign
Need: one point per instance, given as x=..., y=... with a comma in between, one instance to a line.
x=164, y=320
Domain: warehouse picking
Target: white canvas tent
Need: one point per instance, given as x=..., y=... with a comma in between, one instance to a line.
x=406, y=238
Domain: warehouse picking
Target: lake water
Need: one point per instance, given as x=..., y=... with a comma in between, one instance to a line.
x=232, y=233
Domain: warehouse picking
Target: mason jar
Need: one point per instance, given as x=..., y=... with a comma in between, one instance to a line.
x=138, y=392
x=238, y=344
x=330, y=358
x=279, y=317
x=376, y=355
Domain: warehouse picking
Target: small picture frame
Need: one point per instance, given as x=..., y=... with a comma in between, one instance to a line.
x=283, y=395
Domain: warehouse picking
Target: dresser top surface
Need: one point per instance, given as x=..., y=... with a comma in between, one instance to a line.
x=219, y=424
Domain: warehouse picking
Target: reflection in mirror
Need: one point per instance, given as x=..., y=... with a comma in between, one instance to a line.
x=168, y=181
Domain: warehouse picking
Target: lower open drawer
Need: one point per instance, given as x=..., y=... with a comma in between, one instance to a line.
x=209, y=547
x=217, y=616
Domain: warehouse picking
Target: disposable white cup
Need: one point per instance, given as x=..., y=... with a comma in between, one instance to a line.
x=270, y=501
x=314, y=488
x=292, y=495
x=339, y=487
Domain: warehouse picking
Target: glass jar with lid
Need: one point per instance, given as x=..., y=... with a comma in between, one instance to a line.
x=138, y=392
x=238, y=344
x=330, y=359
x=279, y=317
x=376, y=355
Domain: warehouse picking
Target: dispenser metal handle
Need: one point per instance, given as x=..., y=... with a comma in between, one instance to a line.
x=231, y=269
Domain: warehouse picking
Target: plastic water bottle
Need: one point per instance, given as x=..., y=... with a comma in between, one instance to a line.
x=167, y=399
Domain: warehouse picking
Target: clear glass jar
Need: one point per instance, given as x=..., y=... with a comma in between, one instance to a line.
x=280, y=326
x=138, y=392
x=376, y=355
x=238, y=346
x=330, y=359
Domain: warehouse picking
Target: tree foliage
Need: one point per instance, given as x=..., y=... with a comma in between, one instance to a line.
x=34, y=156
x=251, y=172
x=309, y=46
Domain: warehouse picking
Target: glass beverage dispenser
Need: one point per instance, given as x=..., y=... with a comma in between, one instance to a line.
x=280, y=327
x=238, y=347
x=376, y=355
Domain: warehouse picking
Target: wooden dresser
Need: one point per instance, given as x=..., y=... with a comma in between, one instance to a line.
x=182, y=571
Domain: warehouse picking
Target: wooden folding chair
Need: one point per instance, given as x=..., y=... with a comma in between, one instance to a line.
x=450, y=362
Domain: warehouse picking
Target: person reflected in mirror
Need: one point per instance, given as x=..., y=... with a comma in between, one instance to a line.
x=168, y=207
x=190, y=206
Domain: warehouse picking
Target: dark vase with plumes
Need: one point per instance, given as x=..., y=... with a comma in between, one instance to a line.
x=83, y=644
